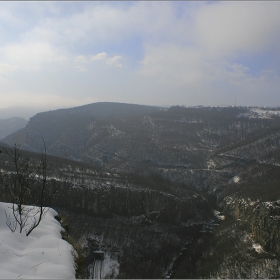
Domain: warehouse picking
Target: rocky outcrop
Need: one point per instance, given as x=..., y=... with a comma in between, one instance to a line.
x=261, y=218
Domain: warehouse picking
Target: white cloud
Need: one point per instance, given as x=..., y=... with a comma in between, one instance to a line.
x=114, y=61
x=81, y=59
x=30, y=55
x=205, y=68
x=101, y=23
x=172, y=65
x=191, y=77
x=228, y=28
x=80, y=68
x=103, y=56
x=7, y=68
x=187, y=50
x=99, y=56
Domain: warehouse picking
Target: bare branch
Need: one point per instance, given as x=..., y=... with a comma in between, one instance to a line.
x=12, y=225
x=27, y=186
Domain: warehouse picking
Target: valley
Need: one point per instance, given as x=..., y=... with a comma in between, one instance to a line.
x=179, y=192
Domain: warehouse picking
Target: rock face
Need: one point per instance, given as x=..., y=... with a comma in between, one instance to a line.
x=262, y=219
x=245, y=245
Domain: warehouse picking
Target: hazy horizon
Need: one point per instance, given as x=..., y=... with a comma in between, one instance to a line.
x=67, y=54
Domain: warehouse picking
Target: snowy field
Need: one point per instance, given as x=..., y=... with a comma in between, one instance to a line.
x=260, y=113
x=41, y=255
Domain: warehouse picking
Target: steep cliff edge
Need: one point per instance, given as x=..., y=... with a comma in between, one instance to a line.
x=244, y=245
x=261, y=218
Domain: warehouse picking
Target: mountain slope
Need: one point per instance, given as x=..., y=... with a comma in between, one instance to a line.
x=195, y=160
x=175, y=142
x=126, y=215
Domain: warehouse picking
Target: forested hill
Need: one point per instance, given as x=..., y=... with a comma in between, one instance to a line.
x=144, y=139
x=141, y=179
x=100, y=110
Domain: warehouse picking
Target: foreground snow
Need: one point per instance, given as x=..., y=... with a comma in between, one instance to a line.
x=43, y=254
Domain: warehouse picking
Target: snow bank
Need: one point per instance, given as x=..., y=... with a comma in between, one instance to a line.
x=41, y=255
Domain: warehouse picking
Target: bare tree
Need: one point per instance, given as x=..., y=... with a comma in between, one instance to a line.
x=27, y=186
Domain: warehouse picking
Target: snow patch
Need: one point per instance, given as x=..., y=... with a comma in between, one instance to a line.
x=259, y=113
x=258, y=248
x=211, y=164
x=41, y=255
x=236, y=179
x=110, y=266
x=218, y=215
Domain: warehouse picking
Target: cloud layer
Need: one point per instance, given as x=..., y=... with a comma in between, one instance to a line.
x=160, y=53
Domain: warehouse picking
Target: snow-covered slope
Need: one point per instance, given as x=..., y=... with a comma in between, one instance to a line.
x=41, y=255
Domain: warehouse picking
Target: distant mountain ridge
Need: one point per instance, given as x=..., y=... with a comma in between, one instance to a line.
x=67, y=131
x=136, y=138
x=103, y=110
x=11, y=125
x=173, y=142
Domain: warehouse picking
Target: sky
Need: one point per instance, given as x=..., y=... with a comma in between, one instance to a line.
x=61, y=54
